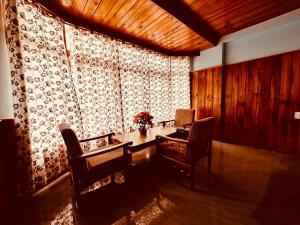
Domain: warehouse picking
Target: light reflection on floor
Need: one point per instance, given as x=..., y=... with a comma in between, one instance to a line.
x=149, y=213
x=152, y=211
x=247, y=186
x=65, y=216
x=118, y=178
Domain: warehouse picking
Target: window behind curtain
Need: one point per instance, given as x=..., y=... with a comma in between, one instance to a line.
x=43, y=94
x=131, y=78
x=95, y=73
x=180, y=82
x=108, y=83
x=135, y=86
x=160, y=87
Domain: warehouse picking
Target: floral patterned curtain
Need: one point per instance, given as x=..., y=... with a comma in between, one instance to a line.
x=43, y=93
x=180, y=83
x=134, y=73
x=152, y=82
x=131, y=78
x=105, y=84
x=95, y=72
x=160, y=87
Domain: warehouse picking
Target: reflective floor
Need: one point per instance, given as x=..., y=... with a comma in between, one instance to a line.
x=246, y=186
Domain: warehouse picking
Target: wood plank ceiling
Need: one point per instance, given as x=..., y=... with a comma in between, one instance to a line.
x=175, y=27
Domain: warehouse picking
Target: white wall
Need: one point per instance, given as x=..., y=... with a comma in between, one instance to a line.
x=275, y=36
x=6, y=100
x=285, y=38
x=208, y=58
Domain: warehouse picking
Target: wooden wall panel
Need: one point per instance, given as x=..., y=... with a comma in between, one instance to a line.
x=260, y=99
x=206, y=95
x=194, y=92
x=247, y=119
x=216, y=96
x=241, y=96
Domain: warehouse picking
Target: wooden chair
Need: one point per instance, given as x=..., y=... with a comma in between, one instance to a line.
x=185, y=153
x=183, y=118
x=87, y=168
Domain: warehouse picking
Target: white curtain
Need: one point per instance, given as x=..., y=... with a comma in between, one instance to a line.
x=43, y=93
x=95, y=72
x=105, y=85
x=116, y=80
x=134, y=73
x=180, y=83
x=160, y=87
x=152, y=82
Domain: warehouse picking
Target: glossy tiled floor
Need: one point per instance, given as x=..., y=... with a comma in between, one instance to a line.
x=246, y=186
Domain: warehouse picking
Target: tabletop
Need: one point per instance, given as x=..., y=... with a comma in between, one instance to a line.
x=142, y=141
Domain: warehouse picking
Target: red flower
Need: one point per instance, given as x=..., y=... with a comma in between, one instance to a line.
x=143, y=118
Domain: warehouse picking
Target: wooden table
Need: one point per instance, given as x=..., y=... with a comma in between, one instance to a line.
x=142, y=141
x=143, y=147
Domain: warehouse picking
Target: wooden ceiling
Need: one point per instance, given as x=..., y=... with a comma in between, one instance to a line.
x=175, y=27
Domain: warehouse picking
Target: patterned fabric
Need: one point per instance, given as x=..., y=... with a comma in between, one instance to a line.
x=105, y=84
x=183, y=117
x=149, y=82
x=161, y=88
x=43, y=93
x=134, y=76
x=175, y=150
x=180, y=82
x=95, y=72
x=201, y=135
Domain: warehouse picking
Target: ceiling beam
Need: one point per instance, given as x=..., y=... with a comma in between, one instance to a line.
x=76, y=20
x=183, y=13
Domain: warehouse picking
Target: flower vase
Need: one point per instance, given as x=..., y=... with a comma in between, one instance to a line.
x=143, y=130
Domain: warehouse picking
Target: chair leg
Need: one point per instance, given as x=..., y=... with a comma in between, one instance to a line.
x=209, y=158
x=71, y=176
x=113, y=178
x=76, y=196
x=127, y=175
x=209, y=163
x=192, y=178
x=71, y=179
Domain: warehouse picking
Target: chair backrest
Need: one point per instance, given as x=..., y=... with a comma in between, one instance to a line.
x=184, y=116
x=71, y=140
x=201, y=134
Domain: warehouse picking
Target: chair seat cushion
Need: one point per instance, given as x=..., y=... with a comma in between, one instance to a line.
x=175, y=150
x=103, y=158
x=107, y=163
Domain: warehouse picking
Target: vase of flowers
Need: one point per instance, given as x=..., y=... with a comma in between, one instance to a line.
x=143, y=119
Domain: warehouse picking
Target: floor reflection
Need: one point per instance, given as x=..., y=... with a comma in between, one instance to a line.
x=246, y=186
x=64, y=217
x=145, y=216
x=138, y=201
x=151, y=212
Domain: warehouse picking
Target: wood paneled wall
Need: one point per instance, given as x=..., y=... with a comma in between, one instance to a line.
x=259, y=96
x=206, y=95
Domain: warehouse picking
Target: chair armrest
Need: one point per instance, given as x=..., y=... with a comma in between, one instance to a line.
x=182, y=133
x=178, y=129
x=186, y=124
x=102, y=151
x=94, y=138
x=164, y=122
x=172, y=139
